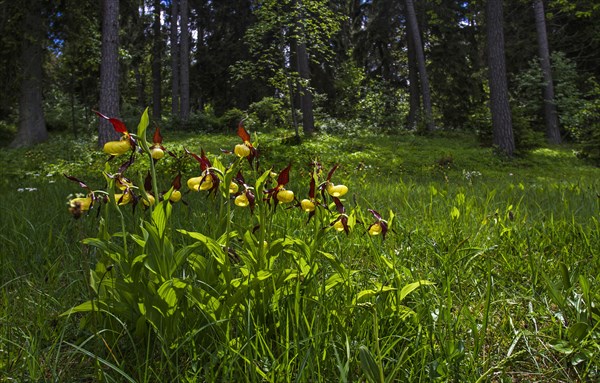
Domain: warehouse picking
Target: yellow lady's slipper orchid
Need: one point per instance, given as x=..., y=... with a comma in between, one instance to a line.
x=123, y=183
x=242, y=150
x=123, y=198
x=80, y=203
x=157, y=153
x=207, y=184
x=375, y=229
x=285, y=196
x=307, y=205
x=336, y=190
x=242, y=200
x=116, y=148
x=233, y=187
x=150, y=201
x=339, y=225
x=175, y=196
x=194, y=183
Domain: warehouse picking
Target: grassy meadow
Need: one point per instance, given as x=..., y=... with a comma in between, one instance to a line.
x=489, y=270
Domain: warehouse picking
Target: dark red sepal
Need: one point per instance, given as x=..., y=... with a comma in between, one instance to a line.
x=330, y=174
x=81, y=183
x=148, y=183
x=202, y=159
x=284, y=176
x=157, y=139
x=375, y=214
x=117, y=124
x=339, y=206
x=176, y=182
x=311, y=192
x=242, y=133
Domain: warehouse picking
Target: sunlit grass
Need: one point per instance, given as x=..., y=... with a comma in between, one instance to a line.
x=512, y=247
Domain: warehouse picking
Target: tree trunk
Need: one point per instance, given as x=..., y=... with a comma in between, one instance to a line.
x=306, y=98
x=411, y=18
x=550, y=114
x=109, y=71
x=413, y=84
x=156, y=64
x=174, y=59
x=32, y=125
x=502, y=129
x=184, y=64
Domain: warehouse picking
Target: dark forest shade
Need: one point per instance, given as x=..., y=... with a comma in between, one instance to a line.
x=109, y=70
x=413, y=26
x=499, y=106
x=32, y=125
x=550, y=114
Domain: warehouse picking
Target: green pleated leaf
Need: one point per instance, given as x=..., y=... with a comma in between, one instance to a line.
x=412, y=287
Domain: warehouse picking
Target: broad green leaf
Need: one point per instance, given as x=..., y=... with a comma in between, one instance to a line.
x=333, y=281
x=578, y=331
x=369, y=365
x=84, y=307
x=160, y=216
x=261, y=180
x=562, y=346
x=214, y=248
x=365, y=294
x=262, y=275
x=387, y=262
x=143, y=125
x=372, y=292
x=412, y=287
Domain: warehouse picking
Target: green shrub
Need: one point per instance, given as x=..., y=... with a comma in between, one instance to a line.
x=589, y=116
x=231, y=118
x=268, y=114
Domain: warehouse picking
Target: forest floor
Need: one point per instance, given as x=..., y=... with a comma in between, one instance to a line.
x=488, y=270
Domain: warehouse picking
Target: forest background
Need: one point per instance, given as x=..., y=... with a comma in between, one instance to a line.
x=322, y=65
x=420, y=201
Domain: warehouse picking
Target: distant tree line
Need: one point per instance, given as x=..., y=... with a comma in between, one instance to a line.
x=515, y=72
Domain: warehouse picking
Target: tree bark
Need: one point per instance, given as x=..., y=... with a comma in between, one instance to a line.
x=156, y=63
x=174, y=58
x=184, y=64
x=109, y=71
x=413, y=84
x=502, y=129
x=550, y=114
x=306, y=97
x=411, y=18
x=32, y=125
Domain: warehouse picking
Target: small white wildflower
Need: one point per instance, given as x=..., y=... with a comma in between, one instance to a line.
x=20, y=190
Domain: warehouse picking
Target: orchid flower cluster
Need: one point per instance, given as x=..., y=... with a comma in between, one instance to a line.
x=322, y=194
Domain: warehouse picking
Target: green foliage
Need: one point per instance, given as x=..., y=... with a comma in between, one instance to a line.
x=268, y=114
x=567, y=96
x=588, y=116
x=213, y=291
x=380, y=108
x=578, y=113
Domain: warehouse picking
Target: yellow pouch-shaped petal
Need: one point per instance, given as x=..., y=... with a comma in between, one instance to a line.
x=336, y=190
x=285, y=196
x=307, y=205
x=116, y=148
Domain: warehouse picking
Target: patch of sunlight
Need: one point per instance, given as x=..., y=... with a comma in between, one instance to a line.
x=554, y=153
